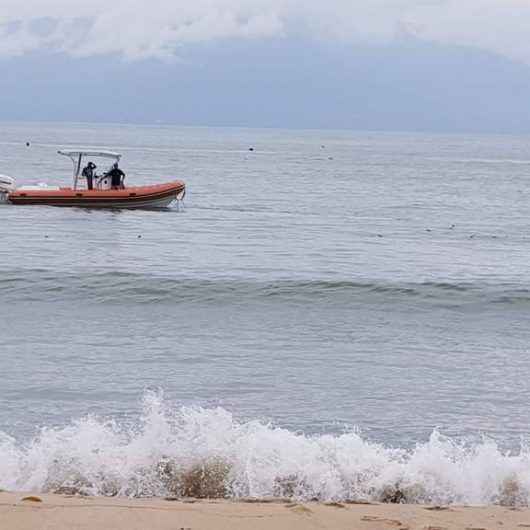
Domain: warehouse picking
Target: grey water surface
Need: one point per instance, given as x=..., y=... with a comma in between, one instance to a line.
x=323, y=281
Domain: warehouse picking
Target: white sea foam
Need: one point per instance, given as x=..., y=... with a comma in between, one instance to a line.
x=205, y=452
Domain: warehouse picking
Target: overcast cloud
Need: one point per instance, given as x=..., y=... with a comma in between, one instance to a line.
x=156, y=28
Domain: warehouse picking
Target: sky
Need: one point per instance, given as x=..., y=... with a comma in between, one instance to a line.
x=393, y=65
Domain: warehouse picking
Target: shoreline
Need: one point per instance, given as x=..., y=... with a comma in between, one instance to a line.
x=19, y=511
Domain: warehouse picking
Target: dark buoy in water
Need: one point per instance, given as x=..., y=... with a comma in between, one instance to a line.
x=27, y=144
x=139, y=236
x=251, y=149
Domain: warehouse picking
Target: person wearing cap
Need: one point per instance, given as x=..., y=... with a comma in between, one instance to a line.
x=88, y=173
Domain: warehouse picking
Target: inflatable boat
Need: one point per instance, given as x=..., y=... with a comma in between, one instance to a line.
x=90, y=190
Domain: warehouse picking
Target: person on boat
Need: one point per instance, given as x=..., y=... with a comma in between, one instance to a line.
x=89, y=174
x=116, y=177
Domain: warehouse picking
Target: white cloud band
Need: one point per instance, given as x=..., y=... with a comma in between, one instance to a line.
x=155, y=28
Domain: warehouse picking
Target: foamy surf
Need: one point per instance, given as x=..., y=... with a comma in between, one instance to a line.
x=205, y=453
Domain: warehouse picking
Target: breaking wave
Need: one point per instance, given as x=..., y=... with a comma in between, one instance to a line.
x=206, y=453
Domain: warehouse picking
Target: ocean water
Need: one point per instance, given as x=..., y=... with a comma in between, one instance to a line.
x=333, y=315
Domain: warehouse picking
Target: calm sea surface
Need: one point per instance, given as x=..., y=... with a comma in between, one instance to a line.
x=371, y=287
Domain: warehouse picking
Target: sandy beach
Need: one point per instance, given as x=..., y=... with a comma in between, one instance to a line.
x=58, y=512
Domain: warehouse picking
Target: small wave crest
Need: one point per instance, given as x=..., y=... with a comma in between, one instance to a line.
x=206, y=453
x=144, y=288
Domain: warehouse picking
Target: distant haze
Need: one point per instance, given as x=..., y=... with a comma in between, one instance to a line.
x=395, y=65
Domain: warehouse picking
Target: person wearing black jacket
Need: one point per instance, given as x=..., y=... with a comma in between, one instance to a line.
x=116, y=175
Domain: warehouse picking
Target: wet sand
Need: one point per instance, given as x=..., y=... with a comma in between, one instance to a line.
x=61, y=512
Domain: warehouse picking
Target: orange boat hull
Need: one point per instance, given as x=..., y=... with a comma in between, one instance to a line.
x=157, y=196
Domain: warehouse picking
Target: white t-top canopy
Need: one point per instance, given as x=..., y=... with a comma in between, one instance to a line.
x=76, y=156
x=88, y=152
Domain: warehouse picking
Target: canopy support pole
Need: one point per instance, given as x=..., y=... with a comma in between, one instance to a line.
x=77, y=169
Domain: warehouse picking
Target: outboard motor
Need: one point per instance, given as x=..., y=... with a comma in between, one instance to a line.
x=7, y=185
